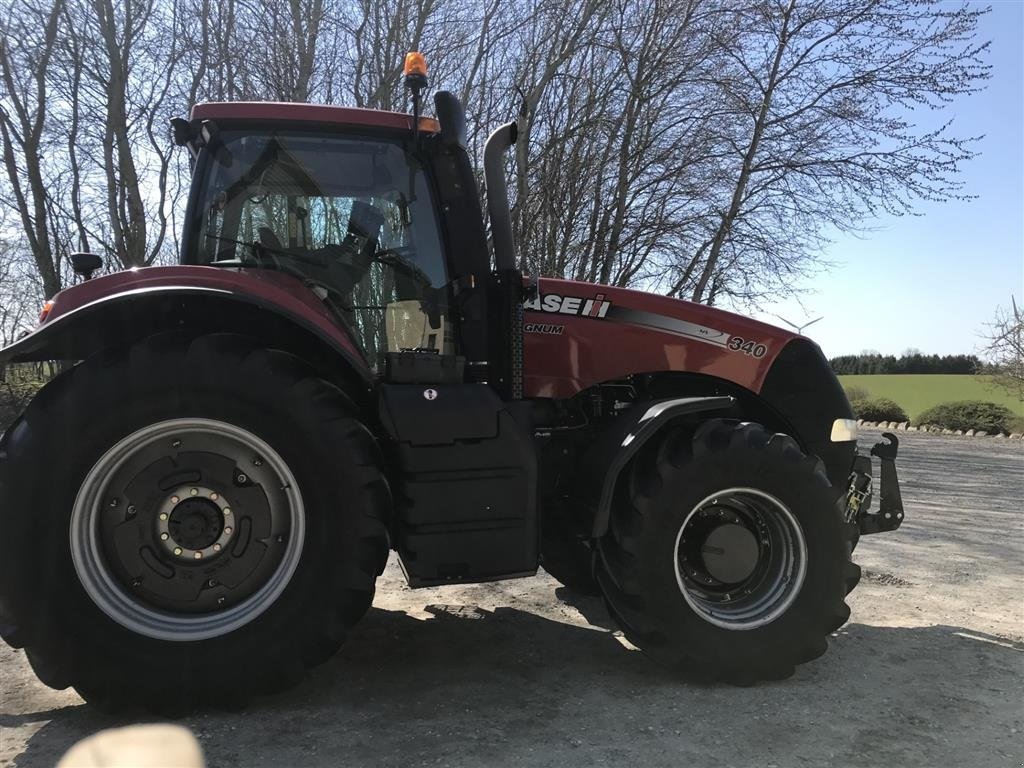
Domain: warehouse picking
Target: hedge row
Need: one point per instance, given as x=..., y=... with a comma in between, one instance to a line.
x=963, y=415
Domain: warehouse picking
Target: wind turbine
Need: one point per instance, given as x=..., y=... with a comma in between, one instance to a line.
x=798, y=328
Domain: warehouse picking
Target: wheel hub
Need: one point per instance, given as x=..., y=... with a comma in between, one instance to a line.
x=730, y=553
x=194, y=523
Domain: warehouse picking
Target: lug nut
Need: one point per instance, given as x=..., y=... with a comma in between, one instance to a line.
x=163, y=515
x=174, y=499
x=227, y=531
x=257, y=462
x=227, y=511
x=177, y=550
x=193, y=492
x=114, y=502
x=220, y=600
x=176, y=444
x=198, y=555
x=216, y=547
x=131, y=510
x=242, y=478
x=214, y=496
x=163, y=537
x=211, y=583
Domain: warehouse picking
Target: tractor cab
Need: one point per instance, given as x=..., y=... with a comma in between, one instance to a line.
x=351, y=217
x=378, y=213
x=344, y=207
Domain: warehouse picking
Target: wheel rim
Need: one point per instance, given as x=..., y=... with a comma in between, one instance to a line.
x=187, y=529
x=740, y=558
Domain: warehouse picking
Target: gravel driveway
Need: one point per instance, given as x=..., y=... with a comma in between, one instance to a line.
x=929, y=670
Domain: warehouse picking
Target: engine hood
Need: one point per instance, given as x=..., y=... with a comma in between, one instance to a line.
x=580, y=334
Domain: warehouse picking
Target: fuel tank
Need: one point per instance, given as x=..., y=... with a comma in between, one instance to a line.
x=580, y=334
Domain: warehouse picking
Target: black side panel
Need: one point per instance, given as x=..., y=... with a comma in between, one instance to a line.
x=801, y=386
x=466, y=496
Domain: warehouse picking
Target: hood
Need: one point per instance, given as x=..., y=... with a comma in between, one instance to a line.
x=581, y=334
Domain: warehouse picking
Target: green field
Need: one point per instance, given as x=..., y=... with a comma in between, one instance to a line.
x=916, y=392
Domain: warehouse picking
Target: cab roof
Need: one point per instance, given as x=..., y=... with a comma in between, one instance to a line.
x=277, y=111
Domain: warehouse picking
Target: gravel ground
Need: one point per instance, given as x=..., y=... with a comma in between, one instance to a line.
x=929, y=670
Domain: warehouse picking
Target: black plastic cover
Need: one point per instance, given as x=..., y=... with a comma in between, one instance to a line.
x=466, y=489
x=452, y=117
x=439, y=415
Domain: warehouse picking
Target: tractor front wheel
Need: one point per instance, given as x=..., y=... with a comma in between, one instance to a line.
x=188, y=521
x=727, y=558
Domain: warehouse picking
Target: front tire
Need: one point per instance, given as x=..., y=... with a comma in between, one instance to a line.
x=188, y=521
x=727, y=557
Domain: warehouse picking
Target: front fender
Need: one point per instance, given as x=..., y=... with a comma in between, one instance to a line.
x=627, y=434
x=127, y=306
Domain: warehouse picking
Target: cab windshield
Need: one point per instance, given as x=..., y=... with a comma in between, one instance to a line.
x=353, y=218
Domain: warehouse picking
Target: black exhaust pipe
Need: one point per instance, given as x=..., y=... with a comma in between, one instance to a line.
x=497, y=145
x=509, y=278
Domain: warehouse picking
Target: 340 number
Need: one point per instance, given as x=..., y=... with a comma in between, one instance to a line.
x=747, y=347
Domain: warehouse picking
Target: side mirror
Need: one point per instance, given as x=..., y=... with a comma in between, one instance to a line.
x=84, y=264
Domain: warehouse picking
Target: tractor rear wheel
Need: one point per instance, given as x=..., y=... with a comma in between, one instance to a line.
x=188, y=521
x=727, y=557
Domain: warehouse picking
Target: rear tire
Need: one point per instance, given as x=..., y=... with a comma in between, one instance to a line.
x=101, y=553
x=727, y=557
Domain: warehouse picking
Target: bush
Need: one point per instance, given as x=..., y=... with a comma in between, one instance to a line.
x=880, y=409
x=969, y=414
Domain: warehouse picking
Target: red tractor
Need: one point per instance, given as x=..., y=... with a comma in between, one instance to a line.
x=342, y=365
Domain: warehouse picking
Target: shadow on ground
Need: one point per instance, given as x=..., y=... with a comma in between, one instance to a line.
x=466, y=686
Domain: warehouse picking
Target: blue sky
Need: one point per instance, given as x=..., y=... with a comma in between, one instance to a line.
x=932, y=281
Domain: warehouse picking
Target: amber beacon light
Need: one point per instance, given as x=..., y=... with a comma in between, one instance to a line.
x=415, y=80
x=415, y=65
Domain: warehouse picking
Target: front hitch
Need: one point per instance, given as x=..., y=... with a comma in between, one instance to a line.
x=859, y=494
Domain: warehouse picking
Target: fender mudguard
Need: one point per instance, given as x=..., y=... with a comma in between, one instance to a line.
x=124, y=307
x=624, y=438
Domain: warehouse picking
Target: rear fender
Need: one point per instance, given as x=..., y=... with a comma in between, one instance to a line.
x=125, y=307
x=625, y=437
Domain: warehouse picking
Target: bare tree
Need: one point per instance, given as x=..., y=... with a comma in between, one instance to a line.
x=1004, y=348
x=27, y=42
x=820, y=94
x=128, y=55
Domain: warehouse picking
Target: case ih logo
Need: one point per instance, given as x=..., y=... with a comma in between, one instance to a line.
x=570, y=305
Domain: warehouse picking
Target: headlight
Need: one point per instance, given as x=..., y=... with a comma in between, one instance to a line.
x=844, y=430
